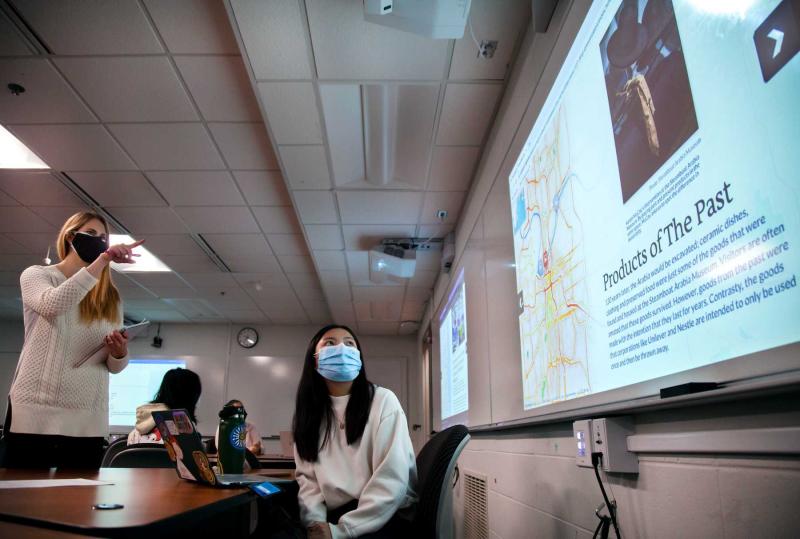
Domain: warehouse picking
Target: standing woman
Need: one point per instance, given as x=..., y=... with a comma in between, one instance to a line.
x=355, y=463
x=58, y=411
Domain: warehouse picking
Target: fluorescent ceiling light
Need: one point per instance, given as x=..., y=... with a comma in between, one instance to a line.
x=147, y=262
x=14, y=154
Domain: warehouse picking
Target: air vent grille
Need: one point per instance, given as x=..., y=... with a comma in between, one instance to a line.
x=476, y=509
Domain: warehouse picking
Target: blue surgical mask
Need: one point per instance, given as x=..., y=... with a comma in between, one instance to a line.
x=339, y=363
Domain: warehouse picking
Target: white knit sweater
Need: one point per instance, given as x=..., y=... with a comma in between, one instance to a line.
x=49, y=394
x=380, y=470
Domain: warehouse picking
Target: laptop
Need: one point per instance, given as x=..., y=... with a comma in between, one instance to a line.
x=185, y=449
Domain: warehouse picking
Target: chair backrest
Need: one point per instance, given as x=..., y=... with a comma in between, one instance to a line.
x=115, y=447
x=136, y=456
x=435, y=465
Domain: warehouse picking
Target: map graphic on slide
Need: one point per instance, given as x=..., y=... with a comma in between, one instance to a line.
x=550, y=270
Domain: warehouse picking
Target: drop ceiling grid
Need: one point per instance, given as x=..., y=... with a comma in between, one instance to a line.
x=302, y=195
x=51, y=61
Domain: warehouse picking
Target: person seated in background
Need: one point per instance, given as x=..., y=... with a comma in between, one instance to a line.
x=253, y=438
x=180, y=388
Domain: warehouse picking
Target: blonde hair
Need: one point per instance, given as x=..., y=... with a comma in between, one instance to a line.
x=102, y=301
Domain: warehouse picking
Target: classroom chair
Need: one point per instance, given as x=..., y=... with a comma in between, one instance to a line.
x=436, y=465
x=111, y=451
x=142, y=456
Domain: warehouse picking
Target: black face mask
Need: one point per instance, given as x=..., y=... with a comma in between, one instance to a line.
x=89, y=247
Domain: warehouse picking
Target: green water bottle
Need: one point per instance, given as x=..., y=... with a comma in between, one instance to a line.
x=232, y=434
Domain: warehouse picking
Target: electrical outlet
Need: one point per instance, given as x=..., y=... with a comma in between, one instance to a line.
x=610, y=438
x=583, y=442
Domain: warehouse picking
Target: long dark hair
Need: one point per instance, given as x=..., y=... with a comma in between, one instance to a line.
x=180, y=388
x=314, y=404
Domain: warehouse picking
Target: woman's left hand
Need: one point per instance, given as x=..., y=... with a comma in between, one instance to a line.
x=319, y=530
x=117, y=344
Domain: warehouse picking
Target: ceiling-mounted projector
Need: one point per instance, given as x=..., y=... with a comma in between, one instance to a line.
x=391, y=262
x=437, y=19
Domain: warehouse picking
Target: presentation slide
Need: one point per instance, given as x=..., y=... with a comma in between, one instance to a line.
x=136, y=385
x=656, y=203
x=453, y=351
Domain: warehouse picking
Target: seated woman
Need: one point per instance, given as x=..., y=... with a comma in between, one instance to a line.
x=180, y=388
x=253, y=439
x=355, y=463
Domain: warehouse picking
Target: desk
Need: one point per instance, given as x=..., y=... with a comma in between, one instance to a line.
x=157, y=502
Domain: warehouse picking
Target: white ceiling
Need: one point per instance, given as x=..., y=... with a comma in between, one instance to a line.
x=153, y=111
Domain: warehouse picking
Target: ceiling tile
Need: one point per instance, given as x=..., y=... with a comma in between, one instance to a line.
x=184, y=146
x=435, y=201
x=303, y=280
x=79, y=27
x=378, y=328
x=466, y=113
x=74, y=147
x=263, y=187
x=118, y=188
x=9, y=244
x=343, y=313
x=11, y=42
x=6, y=200
x=277, y=219
x=221, y=219
x=253, y=263
x=292, y=112
x=193, y=26
x=316, y=207
x=418, y=294
x=318, y=312
x=173, y=244
x=492, y=20
x=330, y=278
x=133, y=293
x=210, y=280
x=230, y=296
x=287, y=244
x=296, y=263
x=158, y=280
x=370, y=207
x=220, y=87
x=306, y=167
x=453, y=167
x=246, y=316
x=47, y=98
x=429, y=260
x=365, y=237
x=308, y=294
x=57, y=215
x=251, y=281
x=189, y=263
x=29, y=242
x=325, y=237
x=378, y=311
x=18, y=262
x=238, y=245
x=36, y=189
x=330, y=260
x=423, y=278
x=142, y=221
x=129, y=88
x=412, y=310
x=348, y=47
x=435, y=231
x=276, y=27
x=245, y=145
x=200, y=188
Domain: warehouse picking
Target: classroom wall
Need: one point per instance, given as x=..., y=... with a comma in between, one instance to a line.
x=533, y=486
x=211, y=350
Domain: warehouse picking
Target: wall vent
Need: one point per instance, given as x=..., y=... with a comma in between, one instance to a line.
x=476, y=506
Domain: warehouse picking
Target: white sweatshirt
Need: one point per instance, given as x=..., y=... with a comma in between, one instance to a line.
x=379, y=470
x=49, y=394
